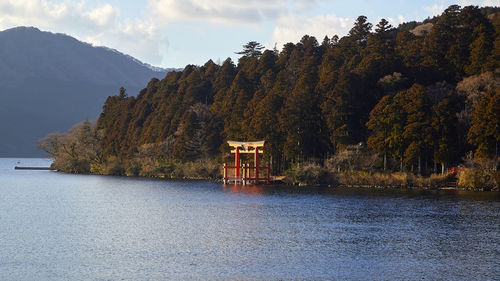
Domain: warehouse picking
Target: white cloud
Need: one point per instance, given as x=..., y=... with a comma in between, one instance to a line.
x=435, y=9
x=138, y=38
x=392, y=21
x=303, y=6
x=495, y=3
x=438, y=7
x=221, y=11
x=103, y=15
x=292, y=28
x=142, y=36
x=401, y=19
x=479, y=3
x=98, y=25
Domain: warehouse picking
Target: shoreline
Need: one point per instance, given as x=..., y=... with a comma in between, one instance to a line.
x=297, y=184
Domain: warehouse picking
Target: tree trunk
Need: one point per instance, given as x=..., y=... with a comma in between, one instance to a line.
x=419, y=166
x=271, y=163
x=401, y=164
x=442, y=168
x=385, y=161
x=496, y=155
x=426, y=164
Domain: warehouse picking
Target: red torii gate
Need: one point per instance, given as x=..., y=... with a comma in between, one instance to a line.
x=243, y=173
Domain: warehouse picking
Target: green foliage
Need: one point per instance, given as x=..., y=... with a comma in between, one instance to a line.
x=478, y=179
x=310, y=102
x=417, y=129
x=484, y=131
x=385, y=122
x=361, y=30
x=407, y=127
x=77, y=151
x=113, y=167
x=252, y=49
x=459, y=42
x=71, y=165
x=445, y=129
x=392, y=83
x=133, y=168
x=122, y=93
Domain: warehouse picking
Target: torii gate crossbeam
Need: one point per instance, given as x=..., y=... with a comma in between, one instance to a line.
x=256, y=147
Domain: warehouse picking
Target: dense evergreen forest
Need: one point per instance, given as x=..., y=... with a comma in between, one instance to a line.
x=420, y=97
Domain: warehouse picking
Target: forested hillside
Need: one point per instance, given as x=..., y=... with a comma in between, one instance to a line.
x=416, y=97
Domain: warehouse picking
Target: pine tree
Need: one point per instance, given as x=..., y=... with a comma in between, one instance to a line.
x=381, y=123
x=484, y=132
x=417, y=130
x=444, y=124
x=361, y=30
x=251, y=50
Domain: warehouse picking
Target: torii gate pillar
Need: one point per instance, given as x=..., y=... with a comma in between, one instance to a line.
x=237, y=162
x=256, y=161
x=255, y=147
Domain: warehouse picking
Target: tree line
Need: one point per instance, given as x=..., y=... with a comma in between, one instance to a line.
x=417, y=97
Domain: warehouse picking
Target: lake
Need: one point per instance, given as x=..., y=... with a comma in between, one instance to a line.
x=55, y=226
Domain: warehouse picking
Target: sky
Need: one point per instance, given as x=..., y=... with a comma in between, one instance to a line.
x=175, y=33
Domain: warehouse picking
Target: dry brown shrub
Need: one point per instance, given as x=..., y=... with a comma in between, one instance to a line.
x=311, y=174
x=475, y=86
x=361, y=178
x=422, y=29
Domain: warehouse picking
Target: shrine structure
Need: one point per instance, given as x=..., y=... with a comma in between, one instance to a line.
x=245, y=174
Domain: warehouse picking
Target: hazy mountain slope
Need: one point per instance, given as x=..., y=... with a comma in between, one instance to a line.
x=50, y=81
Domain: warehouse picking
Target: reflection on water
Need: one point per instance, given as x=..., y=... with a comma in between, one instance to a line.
x=64, y=227
x=248, y=189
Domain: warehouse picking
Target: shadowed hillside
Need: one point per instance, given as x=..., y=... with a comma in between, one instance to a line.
x=50, y=81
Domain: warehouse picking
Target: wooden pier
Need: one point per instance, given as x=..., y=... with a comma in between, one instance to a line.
x=31, y=168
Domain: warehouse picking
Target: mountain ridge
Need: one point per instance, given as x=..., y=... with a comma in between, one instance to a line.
x=49, y=81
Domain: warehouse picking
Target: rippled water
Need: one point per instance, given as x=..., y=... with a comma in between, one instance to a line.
x=70, y=227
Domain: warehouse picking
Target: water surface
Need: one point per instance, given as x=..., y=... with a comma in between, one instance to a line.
x=56, y=226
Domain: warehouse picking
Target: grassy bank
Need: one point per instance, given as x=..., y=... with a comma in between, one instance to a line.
x=201, y=169
x=470, y=179
x=309, y=174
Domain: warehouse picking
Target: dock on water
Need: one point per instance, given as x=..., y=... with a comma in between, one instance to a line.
x=30, y=168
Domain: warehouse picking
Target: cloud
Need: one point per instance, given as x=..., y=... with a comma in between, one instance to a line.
x=435, y=9
x=394, y=22
x=104, y=15
x=495, y=3
x=221, y=11
x=292, y=28
x=479, y=3
x=98, y=25
x=438, y=7
x=139, y=38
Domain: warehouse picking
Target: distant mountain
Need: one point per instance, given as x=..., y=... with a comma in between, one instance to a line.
x=48, y=82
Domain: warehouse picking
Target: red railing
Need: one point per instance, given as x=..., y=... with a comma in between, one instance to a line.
x=245, y=174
